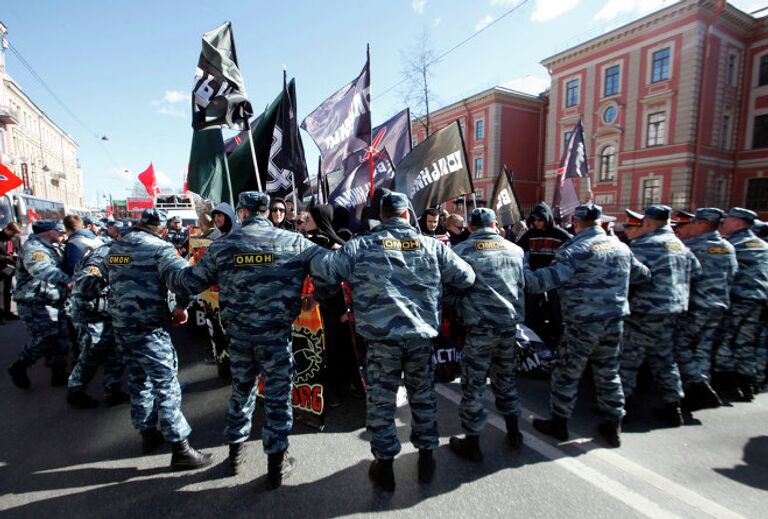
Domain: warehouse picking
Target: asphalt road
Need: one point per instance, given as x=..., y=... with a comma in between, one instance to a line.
x=56, y=461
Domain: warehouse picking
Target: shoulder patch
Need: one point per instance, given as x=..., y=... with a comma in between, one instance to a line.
x=754, y=244
x=717, y=250
x=604, y=247
x=490, y=245
x=402, y=245
x=118, y=260
x=251, y=259
x=676, y=247
x=93, y=270
x=39, y=255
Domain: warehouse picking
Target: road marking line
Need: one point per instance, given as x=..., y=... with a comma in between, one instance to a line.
x=617, y=490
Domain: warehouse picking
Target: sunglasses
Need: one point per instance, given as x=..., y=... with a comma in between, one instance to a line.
x=278, y=210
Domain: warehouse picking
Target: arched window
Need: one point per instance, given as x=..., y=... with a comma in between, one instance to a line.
x=607, y=164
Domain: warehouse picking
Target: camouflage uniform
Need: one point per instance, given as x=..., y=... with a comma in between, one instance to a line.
x=593, y=272
x=742, y=325
x=397, y=277
x=93, y=323
x=697, y=328
x=260, y=270
x=139, y=266
x=490, y=310
x=655, y=308
x=41, y=289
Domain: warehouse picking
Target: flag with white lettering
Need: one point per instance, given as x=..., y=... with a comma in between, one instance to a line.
x=353, y=191
x=436, y=170
x=572, y=164
x=504, y=200
x=341, y=125
x=218, y=95
x=395, y=136
x=287, y=165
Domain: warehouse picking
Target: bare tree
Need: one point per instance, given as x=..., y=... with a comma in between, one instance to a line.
x=417, y=64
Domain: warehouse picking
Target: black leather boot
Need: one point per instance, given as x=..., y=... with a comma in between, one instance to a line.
x=700, y=395
x=151, y=439
x=236, y=457
x=467, y=447
x=426, y=466
x=382, y=474
x=610, y=430
x=18, y=372
x=184, y=457
x=514, y=436
x=556, y=427
x=115, y=396
x=727, y=387
x=59, y=375
x=747, y=386
x=81, y=400
x=670, y=414
x=279, y=467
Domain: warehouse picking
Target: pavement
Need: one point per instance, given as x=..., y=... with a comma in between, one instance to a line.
x=56, y=461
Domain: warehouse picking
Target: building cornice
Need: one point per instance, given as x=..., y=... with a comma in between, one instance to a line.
x=732, y=16
x=498, y=93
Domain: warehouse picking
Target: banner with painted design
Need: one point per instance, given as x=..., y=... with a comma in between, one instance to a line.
x=504, y=200
x=287, y=166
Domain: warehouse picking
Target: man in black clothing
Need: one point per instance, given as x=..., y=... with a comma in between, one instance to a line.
x=9, y=249
x=541, y=242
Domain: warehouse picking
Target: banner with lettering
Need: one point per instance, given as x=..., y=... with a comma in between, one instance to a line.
x=435, y=171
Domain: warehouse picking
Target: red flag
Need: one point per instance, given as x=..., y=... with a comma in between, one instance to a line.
x=109, y=211
x=33, y=216
x=147, y=177
x=8, y=180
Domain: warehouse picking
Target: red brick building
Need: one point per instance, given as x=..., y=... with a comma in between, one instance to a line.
x=674, y=107
x=500, y=126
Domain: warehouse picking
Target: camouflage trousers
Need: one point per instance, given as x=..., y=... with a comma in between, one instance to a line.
x=487, y=352
x=153, y=367
x=48, y=334
x=252, y=352
x=694, y=339
x=596, y=342
x=388, y=361
x=762, y=351
x=739, y=344
x=651, y=338
x=97, y=347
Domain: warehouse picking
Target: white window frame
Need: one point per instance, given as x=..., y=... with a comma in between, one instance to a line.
x=478, y=172
x=649, y=61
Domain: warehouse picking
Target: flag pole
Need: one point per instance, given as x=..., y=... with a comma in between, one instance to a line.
x=474, y=200
x=293, y=182
x=464, y=198
x=371, y=161
x=253, y=155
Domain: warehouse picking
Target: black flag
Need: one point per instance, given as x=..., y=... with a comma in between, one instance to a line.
x=353, y=191
x=287, y=165
x=436, y=170
x=572, y=164
x=218, y=95
x=504, y=200
x=341, y=125
x=395, y=136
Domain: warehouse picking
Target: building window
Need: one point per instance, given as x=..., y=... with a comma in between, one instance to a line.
x=660, y=65
x=609, y=115
x=657, y=129
x=725, y=134
x=760, y=132
x=479, y=167
x=757, y=194
x=2, y=141
x=733, y=61
x=763, y=77
x=572, y=93
x=651, y=191
x=566, y=138
x=607, y=171
x=611, y=86
x=479, y=130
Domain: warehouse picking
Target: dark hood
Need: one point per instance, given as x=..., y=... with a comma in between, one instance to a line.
x=543, y=211
x=323, y=217
x=226, y=209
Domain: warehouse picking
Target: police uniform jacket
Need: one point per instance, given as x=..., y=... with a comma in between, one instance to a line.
x=718, y=269
x=672, y=266
x=496, y=299
x=593, y=272
x=259, y=270
x=397, y=277
x=90, y=290
x=139, y=266
x=751, y=281
x=39, y=275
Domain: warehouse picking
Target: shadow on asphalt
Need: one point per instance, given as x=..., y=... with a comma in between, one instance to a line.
x=754, y=471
